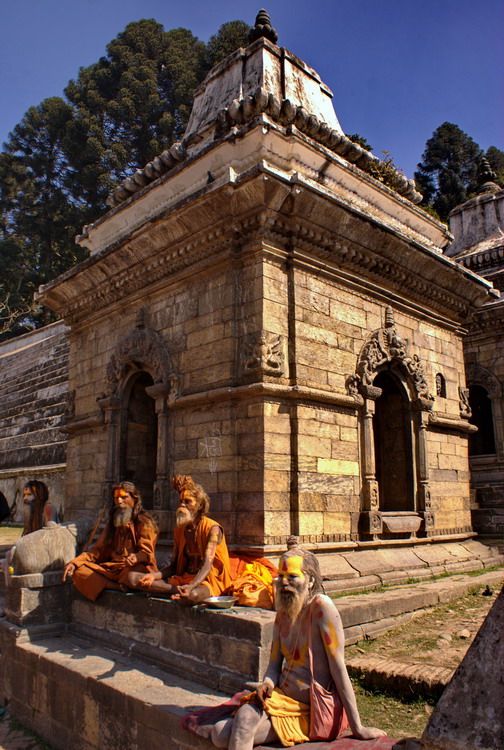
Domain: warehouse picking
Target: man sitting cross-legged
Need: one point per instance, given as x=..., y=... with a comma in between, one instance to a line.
x=200, y=565
x=126, y=544
x=308, y=643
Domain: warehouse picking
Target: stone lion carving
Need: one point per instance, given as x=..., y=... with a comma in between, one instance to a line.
x=49, y=548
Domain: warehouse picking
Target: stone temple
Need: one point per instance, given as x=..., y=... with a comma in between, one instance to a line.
x=260, y=310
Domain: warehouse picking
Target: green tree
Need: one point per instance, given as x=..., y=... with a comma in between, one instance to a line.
x=39, y=214
x=63, y=159
x=229, y=38
x=496, y=160
x=447, y=174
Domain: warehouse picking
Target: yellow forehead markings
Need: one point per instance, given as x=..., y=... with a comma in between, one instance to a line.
x=291, y=566
x=120, y=493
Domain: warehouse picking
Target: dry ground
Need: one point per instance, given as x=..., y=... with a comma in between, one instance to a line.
x=440, y=636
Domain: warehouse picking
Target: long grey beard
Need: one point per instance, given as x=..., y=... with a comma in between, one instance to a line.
x=290, y=605
x=122, y=516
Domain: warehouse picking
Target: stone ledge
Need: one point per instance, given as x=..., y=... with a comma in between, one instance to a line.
x=400, y=677
x=37, y=678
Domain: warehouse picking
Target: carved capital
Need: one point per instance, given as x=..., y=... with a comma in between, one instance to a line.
x=371, y=392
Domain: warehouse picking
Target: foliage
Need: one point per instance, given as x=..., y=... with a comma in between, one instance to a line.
x=229, y=38
x=447, y=174
x=360, y=141
x=385, y=170
x=496, y=160
x=62, y=160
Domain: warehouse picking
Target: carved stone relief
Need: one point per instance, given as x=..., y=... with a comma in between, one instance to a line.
x=141, y=349
x=263, y=354
x=477, y=375
x=386, y=345
x=465, y=409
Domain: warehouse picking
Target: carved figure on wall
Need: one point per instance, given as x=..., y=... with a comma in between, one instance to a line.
x=70, y=405
x=386, y=345
x=264, y=355
x=465, y=408
x=306, y=658
x=440, y=386
x=126, y=545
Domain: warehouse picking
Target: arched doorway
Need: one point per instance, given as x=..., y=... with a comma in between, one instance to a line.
x=481, y=443
x=139, y=437
x=393, y=442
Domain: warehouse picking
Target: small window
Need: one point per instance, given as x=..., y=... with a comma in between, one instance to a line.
x=440, y=386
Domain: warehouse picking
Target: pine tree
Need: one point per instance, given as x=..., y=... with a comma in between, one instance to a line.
x=447, y=174
x=39, y=213
x=63, y=159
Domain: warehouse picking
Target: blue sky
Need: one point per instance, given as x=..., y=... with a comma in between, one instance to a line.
x=398, y=68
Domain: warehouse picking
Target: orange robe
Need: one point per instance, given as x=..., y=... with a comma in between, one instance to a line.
x=219, y=579
x=108, y=559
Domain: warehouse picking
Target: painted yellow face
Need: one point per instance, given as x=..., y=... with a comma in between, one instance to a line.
x=290, y=567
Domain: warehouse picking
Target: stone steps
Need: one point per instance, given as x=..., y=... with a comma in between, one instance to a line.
x=75, y=693
x=33, y=398
x=152, y=661
x=368, y=568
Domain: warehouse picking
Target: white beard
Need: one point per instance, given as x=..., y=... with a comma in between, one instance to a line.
x=122, y=516
x=183, y=517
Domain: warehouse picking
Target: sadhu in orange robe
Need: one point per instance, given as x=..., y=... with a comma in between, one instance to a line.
x=249, y=579
x=108, y=558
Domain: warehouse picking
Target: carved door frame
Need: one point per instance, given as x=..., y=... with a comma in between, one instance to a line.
x=141, y=350
x=386, y=350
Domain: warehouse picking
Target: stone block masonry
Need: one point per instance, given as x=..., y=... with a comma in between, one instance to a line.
x=34, y=403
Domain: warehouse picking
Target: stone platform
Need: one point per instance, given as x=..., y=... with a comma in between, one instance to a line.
x=153, y=661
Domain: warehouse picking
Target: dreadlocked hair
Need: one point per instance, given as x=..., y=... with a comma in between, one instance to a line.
x=181, y=482
x=138, y=514
x=41, y=495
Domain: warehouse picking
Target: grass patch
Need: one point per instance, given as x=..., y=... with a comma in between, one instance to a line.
x=398, y=717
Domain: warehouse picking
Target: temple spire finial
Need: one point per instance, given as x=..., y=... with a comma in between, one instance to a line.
x=486, y=178
x=263, y=28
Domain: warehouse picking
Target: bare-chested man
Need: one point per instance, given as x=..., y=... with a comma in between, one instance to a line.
x=280, y=709
x=200, y=563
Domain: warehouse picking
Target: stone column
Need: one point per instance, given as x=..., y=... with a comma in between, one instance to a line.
x=370, y=521
x=160, y=392
x=110, y=406
x=423, y=498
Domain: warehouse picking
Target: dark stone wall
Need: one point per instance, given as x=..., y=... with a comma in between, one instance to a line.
x=33, y=398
